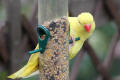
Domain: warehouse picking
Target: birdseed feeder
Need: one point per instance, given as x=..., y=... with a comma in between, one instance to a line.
x=53, y=47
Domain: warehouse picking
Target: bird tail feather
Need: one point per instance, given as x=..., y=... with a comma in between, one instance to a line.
x=31, y=67
x=33, y=74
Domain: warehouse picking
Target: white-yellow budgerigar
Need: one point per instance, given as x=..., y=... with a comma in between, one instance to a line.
x=81, y=28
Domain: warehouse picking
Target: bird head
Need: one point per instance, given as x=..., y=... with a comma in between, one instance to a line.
x=87, y=24
x=86, y=20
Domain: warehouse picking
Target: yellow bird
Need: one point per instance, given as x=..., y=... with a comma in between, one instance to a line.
x=81, y=28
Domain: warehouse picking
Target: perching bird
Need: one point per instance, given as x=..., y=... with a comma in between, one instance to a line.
x=81, y=28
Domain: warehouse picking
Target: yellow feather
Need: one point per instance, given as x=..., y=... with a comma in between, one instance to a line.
x=29, y=68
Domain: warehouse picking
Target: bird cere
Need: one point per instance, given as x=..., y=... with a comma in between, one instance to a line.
x=52, y=63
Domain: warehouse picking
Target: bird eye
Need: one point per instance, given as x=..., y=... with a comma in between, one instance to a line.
x=79, y=22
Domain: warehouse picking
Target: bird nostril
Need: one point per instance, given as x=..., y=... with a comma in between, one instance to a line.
x=87, y=27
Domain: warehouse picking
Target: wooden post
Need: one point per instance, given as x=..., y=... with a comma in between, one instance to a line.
x=54, y=62
x=13, y=28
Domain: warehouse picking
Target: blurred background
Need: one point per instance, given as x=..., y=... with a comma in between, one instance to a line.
x=98, y=60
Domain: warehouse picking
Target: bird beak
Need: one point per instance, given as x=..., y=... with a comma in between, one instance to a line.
x=87, y=27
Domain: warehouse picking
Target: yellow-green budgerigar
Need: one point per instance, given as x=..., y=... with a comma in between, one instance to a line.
x=80, y=27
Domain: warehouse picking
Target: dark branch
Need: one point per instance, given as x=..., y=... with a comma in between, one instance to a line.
x=96, y=61
x=76, y=65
